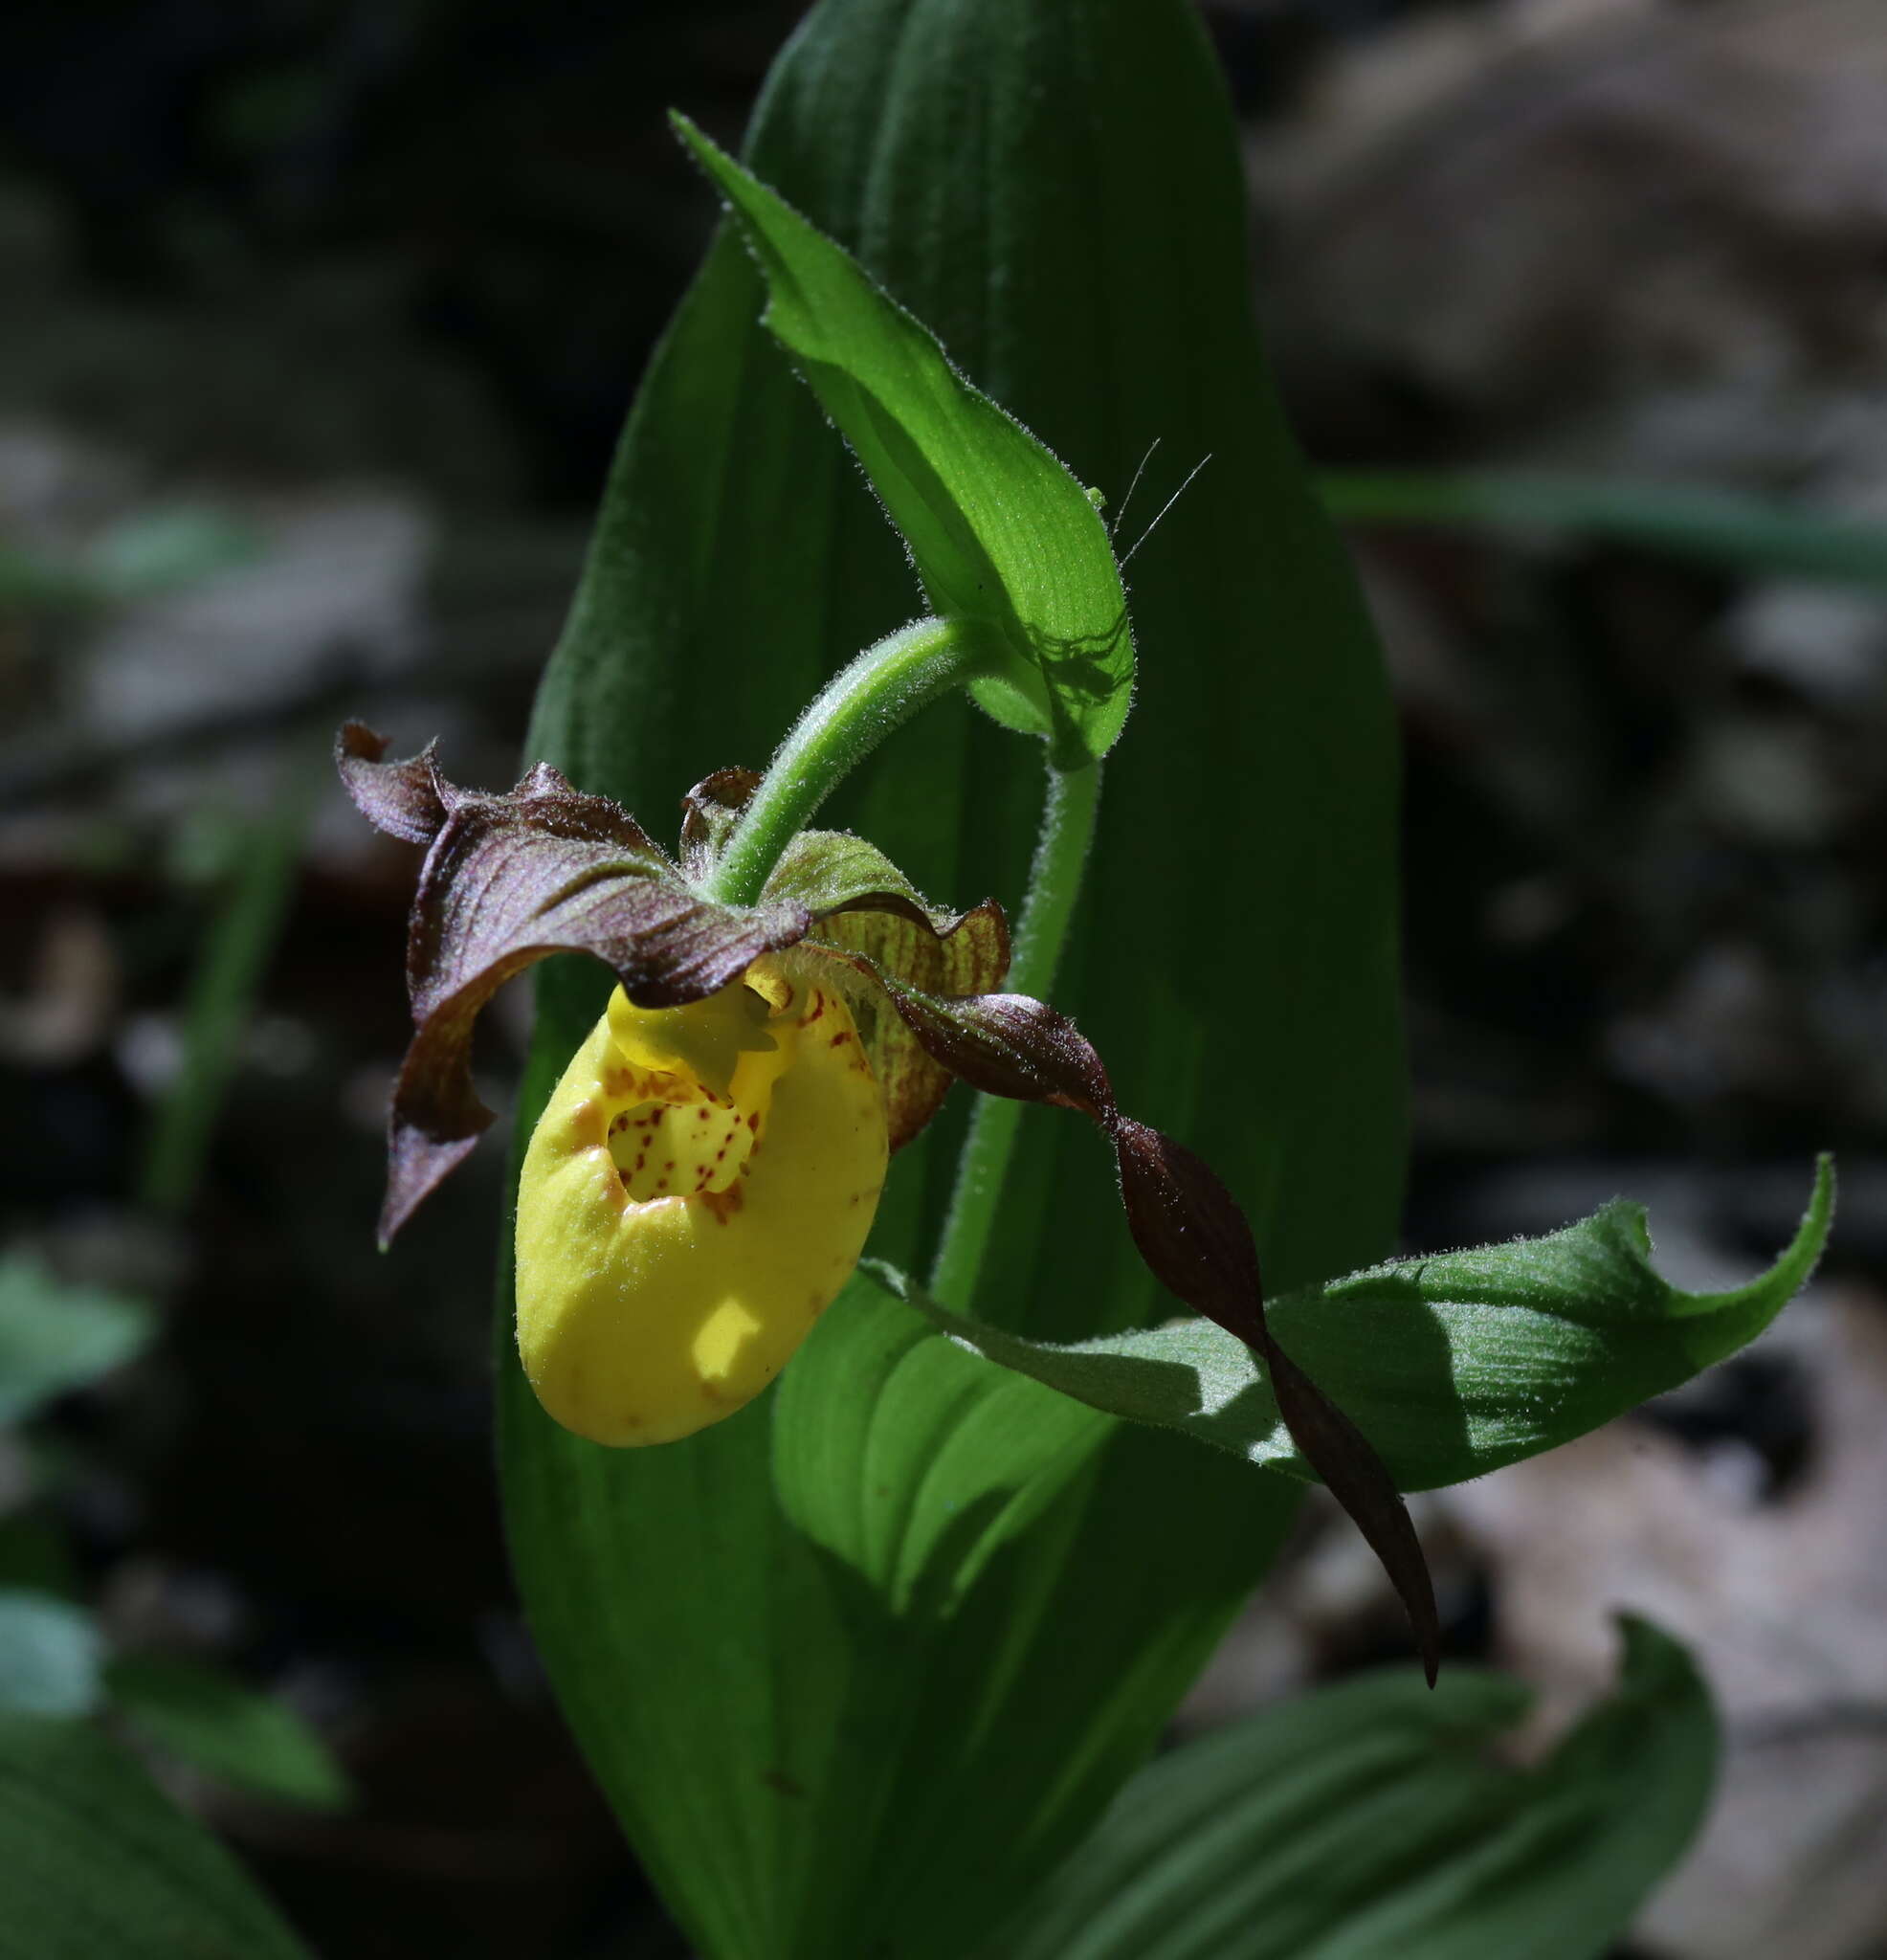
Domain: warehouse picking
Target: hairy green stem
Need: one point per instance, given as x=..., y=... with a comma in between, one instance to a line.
x=856, y=710
x=1054, y=885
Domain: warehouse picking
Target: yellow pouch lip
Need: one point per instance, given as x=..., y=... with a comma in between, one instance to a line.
x=643, y=1318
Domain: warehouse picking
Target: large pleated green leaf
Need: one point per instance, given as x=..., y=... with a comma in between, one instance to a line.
x=1373, y=1821
x=94, y=1861
x=870, y=1628
x=823, y=1742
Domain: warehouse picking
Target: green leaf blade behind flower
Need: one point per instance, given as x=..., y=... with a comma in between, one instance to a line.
x=1012, y=170
x=1370, y=1822
x=1451, y=1364
x=1002, y=536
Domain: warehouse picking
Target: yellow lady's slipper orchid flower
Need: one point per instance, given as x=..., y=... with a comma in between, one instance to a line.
x=702, y=1181
x=697, y=1189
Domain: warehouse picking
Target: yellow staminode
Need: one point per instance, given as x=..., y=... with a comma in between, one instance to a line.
x=699, y=1188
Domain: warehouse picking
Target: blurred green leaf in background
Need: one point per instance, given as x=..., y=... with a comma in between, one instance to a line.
x=243, y=1739
x=1743, y=534
x=54, y=1336
x=1375, y=1820
x=258, y=862
x=50, y=1655
x=154, y=550
x=98, y=1863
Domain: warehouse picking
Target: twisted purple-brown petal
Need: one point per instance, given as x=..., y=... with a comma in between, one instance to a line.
x=1194, y=1238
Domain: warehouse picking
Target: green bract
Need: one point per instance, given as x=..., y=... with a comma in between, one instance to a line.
x=1006, y=542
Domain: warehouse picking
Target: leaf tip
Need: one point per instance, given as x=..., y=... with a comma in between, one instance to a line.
x=1796, y=1266
x=689, y=134
x=1653, y=1661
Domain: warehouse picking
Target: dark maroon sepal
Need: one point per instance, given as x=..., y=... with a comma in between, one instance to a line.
x=508, y=881
x=405, y=799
